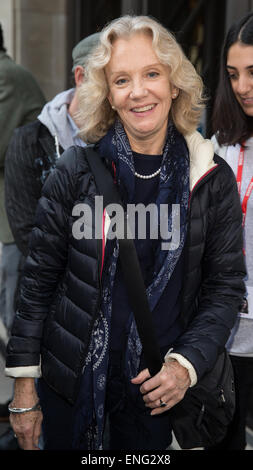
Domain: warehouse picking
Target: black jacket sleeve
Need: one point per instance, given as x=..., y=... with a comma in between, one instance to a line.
x=223, y=270
x=45, y=264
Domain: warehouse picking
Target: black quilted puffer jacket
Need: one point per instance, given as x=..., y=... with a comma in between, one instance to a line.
x=60, y=292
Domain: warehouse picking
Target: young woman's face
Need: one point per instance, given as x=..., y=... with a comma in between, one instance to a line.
x=240, y=70
x=139, y=87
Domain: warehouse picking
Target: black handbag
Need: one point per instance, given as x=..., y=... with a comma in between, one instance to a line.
x=201, y=418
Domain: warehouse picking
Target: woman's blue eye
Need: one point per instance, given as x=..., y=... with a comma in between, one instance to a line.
x=153, y=74
x=120, y=81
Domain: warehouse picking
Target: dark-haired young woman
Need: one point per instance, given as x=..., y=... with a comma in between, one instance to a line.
x=233, y=127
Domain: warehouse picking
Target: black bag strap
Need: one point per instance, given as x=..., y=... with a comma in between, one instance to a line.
x=130, y=266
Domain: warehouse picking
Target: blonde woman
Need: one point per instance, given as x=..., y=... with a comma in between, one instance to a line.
x=74, y=328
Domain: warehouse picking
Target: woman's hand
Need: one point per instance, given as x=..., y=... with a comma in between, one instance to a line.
x=168, y=386
x=26, y=426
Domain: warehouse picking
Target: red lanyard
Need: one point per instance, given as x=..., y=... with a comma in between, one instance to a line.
x=239, y=185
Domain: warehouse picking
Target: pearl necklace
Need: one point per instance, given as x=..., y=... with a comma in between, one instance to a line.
x=148, y=177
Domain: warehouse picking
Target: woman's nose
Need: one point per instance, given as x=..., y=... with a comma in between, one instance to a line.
x=138, y=90
x=243, y=85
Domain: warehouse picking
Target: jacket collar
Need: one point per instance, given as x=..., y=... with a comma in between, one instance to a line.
x=201, y=153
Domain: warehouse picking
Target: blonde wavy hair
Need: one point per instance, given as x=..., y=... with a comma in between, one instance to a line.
x=95, y=115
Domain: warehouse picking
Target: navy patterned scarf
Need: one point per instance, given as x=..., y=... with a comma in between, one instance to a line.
x=173, y=189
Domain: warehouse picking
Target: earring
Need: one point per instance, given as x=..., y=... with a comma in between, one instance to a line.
x=113, y=107
x=175, y=94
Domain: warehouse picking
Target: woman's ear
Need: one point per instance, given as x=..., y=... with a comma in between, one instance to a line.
x=174, y=92
x=109, y=97
x=79, y=75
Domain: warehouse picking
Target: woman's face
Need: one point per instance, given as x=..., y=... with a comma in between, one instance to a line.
x=240, y=70
x=139, y=87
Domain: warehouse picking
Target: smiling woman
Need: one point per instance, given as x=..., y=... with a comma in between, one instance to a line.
x=240, y=72
x=140, y=104
x=140, y=53
x=233, y=107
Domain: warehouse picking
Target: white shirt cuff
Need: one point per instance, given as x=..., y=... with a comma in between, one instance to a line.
x=185, y=363
x=26, y=371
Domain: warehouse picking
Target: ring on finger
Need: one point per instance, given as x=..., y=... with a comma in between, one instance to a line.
x=162, y=403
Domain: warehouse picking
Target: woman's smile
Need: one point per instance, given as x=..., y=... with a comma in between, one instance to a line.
x=143, y=110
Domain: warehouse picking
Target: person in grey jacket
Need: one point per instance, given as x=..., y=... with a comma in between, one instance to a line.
x=21, y=100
